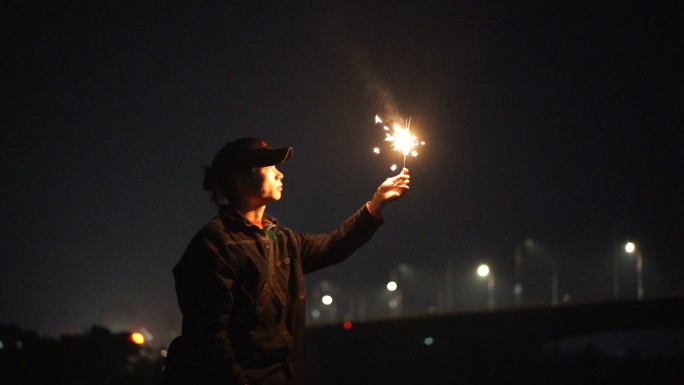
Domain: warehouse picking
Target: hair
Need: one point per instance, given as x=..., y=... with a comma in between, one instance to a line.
x=221, y=183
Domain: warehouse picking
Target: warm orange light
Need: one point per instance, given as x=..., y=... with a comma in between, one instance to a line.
x=138, y=338
x=402, y=140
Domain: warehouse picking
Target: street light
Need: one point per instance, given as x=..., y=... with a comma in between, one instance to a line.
x=532, y=250
x=519, y=262
x=396, y=303
x=631, y=249
x=483, y=271
x=331, y=307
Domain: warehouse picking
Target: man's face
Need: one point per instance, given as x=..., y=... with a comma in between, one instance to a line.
x=265, y=186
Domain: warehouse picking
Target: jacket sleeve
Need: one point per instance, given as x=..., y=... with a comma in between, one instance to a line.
x=319, y=251
x=204, y=279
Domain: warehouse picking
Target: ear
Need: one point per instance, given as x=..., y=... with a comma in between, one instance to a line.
x=240, y=182
x=245, y=181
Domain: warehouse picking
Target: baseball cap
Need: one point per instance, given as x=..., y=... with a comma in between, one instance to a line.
x=249, y=152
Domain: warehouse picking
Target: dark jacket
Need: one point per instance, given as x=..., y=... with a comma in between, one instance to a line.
x=242, y=295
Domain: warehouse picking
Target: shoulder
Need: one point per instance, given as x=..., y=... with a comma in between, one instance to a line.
x=221, y=230
x=218, y=238
x=287, y=235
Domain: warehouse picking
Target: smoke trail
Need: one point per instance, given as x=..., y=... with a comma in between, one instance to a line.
x=349, y=47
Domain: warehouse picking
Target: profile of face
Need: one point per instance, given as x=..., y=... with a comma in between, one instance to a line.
x=263, y=186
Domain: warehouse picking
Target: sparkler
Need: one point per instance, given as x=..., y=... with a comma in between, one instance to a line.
x=402, y=140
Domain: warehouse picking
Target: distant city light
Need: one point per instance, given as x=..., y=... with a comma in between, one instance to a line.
x=164, y=353
x=483, y=270
x=347, y=325
x=392, y=286
x=428, y=341
x=138, y=338
x=316, y=313
x=327, y=300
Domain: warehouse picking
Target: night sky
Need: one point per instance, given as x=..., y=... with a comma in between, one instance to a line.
x=559, y=123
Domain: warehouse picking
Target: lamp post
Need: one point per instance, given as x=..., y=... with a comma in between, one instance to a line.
x=631, y=249
x=519, y=263
x=531, y=250
x=326, y=297
x=448, y=286
x=332, y=307
x=395, y=303
x=483, y=271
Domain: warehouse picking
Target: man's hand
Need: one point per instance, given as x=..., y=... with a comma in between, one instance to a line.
x=389, y=190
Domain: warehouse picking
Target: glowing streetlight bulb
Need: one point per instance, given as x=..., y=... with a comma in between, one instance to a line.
x=483, y=270
x=327, y=300
x=630, y=247
x=391, y=286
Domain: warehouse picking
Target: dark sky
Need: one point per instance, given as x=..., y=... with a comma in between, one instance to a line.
x=560, y=123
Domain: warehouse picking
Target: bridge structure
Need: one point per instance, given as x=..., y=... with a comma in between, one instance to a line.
x=501, y=346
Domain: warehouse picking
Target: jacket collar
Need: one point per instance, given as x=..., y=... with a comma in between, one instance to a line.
x=234, y=215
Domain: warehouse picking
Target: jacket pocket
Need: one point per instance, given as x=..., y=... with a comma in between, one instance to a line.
x=263, y=299
x=284, y=268
x=299, y=277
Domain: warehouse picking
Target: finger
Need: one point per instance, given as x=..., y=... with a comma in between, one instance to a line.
x=404, y=171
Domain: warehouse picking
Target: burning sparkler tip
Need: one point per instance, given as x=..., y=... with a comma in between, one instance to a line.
x=402, y=140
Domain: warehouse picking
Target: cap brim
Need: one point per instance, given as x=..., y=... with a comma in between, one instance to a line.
x=268, y=157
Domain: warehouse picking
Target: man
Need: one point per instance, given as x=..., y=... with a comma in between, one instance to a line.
x=240, y=282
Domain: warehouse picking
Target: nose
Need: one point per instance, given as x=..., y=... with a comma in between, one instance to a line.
x=279, y=175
